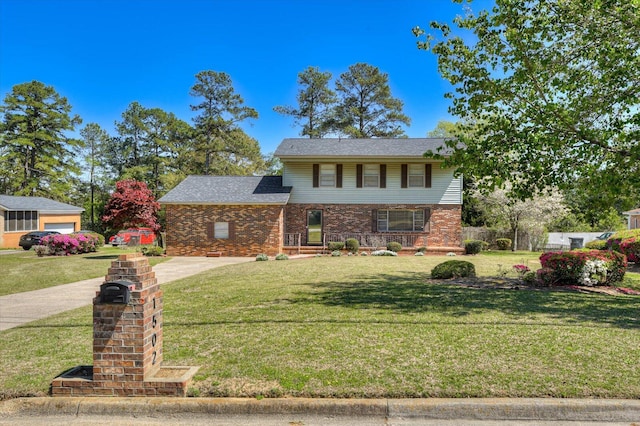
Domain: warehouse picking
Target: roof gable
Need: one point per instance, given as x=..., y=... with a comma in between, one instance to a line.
x=229, y=190
x=41, y=204
x=359, y=148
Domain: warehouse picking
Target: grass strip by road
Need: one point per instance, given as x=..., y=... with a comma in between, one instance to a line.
x=364, y=327
x=25, y=271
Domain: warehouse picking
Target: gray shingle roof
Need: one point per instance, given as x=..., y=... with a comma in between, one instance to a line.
x=41, y=204
x=357, y=148
x=228, y=190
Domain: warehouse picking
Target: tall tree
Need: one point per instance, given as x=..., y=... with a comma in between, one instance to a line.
x=366, y=108
x=315, y=103
x=218, y=134
x=38, y=151
x=132, y=204
x=95, y=141
x=520, y=214
x=554, y=86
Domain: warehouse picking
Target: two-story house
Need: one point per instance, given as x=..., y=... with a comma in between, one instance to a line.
x=374, y=190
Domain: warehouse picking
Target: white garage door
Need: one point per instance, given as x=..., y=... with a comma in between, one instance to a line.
x=63, y=228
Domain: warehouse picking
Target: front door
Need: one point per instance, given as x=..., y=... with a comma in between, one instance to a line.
x=314, y=227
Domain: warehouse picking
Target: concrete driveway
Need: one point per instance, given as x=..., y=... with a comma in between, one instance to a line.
x=21, y=308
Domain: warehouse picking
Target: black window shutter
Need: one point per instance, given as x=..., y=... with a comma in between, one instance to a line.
x=232, y=230
x=210, y=230
x=374, y=220
x=358, y=175
x=338, y=175
x=383, y=175
x=404, y=173
x=427, y=175
x=427, y=220
x=316, y=175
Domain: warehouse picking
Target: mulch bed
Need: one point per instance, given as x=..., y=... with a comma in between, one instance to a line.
x=498, y=283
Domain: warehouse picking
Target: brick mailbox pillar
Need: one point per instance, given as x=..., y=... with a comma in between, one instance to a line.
x=127, y=339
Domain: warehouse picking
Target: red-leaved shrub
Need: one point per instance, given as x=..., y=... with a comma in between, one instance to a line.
x=567, y=267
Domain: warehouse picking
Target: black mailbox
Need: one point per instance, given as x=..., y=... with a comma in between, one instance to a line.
x=116, y=292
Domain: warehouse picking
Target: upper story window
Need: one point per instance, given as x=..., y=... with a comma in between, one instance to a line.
x=371, y=176
x=416, y=176
x=327, y=175
x=21, y=220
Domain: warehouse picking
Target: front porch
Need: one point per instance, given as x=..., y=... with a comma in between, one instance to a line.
x=368, y=242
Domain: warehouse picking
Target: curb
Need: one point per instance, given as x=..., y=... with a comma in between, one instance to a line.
x=601, y=410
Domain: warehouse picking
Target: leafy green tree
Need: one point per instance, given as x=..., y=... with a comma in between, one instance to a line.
x=366, y=108
x=315, y=103
x=37, y=151
x=219, y=139
x=552, y=89
x=95, y=141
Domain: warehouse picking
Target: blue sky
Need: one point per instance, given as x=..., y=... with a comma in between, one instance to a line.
x=104, y=54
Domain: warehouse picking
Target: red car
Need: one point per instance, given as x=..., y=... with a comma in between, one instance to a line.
x=142, y=235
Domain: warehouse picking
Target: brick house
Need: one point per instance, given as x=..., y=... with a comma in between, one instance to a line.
x=374, y=190
x=20, y=215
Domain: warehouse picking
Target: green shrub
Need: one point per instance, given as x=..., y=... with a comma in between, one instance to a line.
x=282, y=256
x=627, y=243
x=472, y=246
x=335, y=245
x=384, y=253
x=152, y=250
x=530, y=278
x=336, y=253
x=352, y=245
x=503, y=243
x=422, y=250
x=262, y=257
x=394, y=246
x=596, y=245
x=453, y=269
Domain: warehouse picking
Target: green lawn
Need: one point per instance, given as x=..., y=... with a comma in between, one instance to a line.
x=25, y=271
x=364, y=327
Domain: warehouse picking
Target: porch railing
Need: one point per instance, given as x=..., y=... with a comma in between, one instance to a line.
x=374, y=240
x=293, y=240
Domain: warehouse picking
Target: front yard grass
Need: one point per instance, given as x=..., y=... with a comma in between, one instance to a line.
x=25, y=271
x=363, y=327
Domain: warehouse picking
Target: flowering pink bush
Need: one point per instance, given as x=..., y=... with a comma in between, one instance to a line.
x=68, y=244
x=569, y=267
x=631, y=248
x=521, y=269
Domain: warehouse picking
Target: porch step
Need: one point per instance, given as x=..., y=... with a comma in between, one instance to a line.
x=214, y=254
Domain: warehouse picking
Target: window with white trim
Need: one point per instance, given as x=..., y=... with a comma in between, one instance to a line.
x=328, y=175
x=26, y=220
x=371, y=175
x=221, y=230
x=416, y=175
x=400, y=220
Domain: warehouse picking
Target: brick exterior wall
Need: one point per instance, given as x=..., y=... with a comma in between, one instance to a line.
x=445, y=223
x=255, y=229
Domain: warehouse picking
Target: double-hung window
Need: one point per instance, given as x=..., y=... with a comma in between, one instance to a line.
x=416, y=176
x=401, y=220
x=328, y=175
x=371, y=175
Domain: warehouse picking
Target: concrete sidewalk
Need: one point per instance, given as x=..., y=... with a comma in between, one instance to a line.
x=21, y=308
x=598, y=411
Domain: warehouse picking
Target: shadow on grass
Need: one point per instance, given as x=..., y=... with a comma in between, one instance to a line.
x=415, y=293
x=103, y=257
